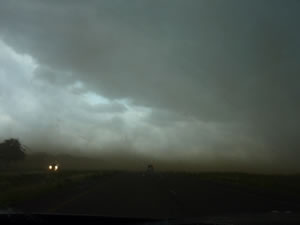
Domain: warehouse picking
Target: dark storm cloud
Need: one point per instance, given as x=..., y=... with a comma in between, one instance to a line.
x=223, y=73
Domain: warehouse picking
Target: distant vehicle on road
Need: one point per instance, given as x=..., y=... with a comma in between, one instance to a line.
x=150, y=169
x=54, y=167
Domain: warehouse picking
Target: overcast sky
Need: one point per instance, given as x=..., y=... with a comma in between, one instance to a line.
x=177, y=80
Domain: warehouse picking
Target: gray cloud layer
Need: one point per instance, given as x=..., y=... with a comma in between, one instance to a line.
x=216, y=78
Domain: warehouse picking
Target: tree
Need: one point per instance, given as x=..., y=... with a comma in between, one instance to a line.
x=12, y=150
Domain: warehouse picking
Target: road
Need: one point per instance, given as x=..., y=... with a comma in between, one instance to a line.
x=157, y=195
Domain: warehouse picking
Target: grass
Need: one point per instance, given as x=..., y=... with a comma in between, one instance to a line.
x=284, y=185
x=16, y=187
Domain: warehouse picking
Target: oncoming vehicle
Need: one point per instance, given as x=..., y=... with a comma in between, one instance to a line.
x=53, y=167
x=150, y=169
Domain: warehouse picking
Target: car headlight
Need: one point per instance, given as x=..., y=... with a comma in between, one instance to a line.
x=50, y=167
x=56, y=167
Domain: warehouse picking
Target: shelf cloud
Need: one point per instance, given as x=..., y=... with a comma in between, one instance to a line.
x=198, y=81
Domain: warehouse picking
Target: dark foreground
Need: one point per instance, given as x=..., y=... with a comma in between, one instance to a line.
x=162, y=195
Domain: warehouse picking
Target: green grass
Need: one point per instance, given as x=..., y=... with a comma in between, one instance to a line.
x=16, y=187
x=284, y=185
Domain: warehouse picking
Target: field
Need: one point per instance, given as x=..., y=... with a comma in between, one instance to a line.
x=138, y=194
x=18, y=187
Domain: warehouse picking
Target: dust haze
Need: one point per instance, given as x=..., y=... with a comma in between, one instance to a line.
x=185, y=85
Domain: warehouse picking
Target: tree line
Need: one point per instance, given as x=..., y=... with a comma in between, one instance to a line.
x=11, y=150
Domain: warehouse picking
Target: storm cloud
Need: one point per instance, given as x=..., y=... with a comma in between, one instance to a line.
x=188, y=80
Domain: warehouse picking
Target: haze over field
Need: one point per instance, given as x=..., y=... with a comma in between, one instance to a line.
x=189, y=84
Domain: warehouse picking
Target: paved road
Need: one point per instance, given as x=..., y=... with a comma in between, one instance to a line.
x=158, y=195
